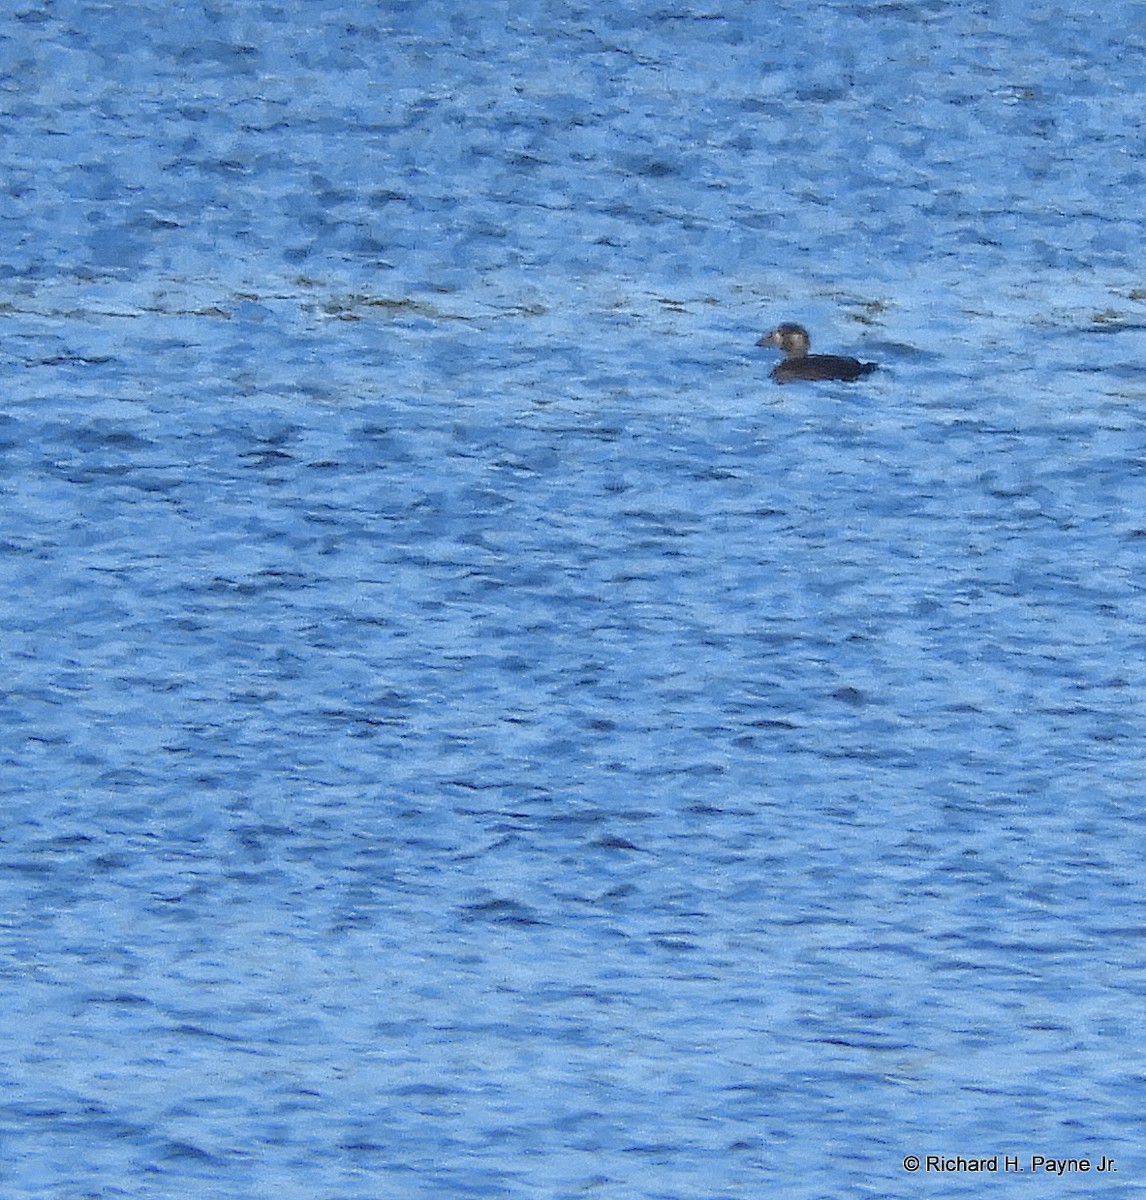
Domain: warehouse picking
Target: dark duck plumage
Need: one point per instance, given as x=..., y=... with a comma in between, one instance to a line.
x=799, y=364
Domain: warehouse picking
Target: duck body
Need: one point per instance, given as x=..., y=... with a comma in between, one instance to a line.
x=799, y=364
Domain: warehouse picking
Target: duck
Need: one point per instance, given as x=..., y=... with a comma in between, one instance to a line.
x=799, y=364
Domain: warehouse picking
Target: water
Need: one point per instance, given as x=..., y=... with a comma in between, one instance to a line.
x=466, y=731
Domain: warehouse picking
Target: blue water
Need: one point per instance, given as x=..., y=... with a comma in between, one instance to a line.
x=466, y=732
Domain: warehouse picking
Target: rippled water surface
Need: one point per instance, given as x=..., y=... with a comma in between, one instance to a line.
x=466, y=731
